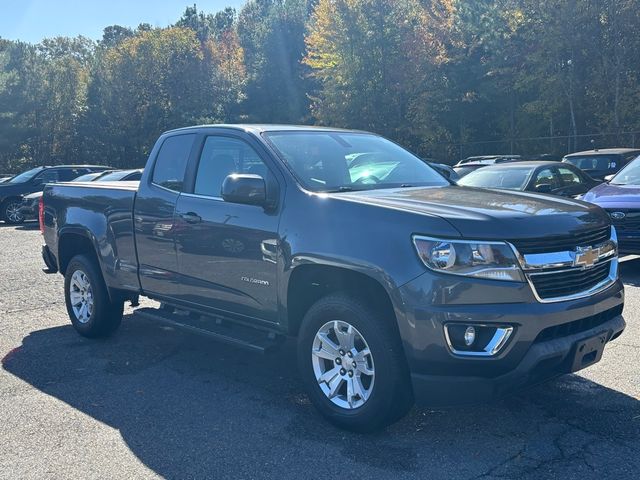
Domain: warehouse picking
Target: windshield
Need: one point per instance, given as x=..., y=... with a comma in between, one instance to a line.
x=336, y=161
x=594, y=162
x=489, y=177
x=25, y=176
x=629, y=175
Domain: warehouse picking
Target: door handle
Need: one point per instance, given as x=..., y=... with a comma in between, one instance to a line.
x=191, y=217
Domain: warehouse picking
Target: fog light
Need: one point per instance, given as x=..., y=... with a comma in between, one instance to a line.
x=469, y=336
x=477, y=339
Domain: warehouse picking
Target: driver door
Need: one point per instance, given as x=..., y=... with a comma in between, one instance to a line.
x=545, y=177
x=227, y=252
x=572, y=184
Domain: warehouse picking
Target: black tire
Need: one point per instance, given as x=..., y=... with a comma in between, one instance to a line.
x=391, y=396
x=7, y=207
x=106, y=315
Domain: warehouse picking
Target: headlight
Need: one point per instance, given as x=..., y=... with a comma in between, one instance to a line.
x=490, y=260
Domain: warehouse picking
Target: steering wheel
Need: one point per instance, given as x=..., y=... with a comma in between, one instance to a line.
x=367, y=179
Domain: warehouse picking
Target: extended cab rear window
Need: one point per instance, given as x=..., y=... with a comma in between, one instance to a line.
x=171, y=162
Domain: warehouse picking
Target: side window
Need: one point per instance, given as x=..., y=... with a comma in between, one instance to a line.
x=568, y=177
x=222, y=156
x=68, y=174
x=546, y=177
x=171, y=162
x=50, y=175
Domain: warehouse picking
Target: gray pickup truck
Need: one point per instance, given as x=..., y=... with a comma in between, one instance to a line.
x=398, y=285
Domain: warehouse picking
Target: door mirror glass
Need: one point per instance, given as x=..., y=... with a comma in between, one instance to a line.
x=245, y=188
x=608, y=178
x=544, y=188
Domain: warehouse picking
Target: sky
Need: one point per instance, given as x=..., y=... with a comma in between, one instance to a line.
x=33, y=20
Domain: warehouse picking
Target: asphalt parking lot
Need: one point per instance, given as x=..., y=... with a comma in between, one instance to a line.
x=154, y=402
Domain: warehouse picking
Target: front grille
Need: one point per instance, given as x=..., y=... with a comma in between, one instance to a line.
x=629, y=223
x=564, y=283
x=578, y=326
x=563, y=243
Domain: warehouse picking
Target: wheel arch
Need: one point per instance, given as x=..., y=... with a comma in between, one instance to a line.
x=76, y=241
x=309, y=282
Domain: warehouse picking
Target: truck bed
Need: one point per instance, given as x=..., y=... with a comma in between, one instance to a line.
x=106, y=210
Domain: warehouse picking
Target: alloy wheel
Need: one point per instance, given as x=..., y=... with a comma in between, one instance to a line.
x=81, y=296
x=343, y=364
x=13, y=214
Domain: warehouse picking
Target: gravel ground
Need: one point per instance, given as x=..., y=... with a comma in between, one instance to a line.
x=153, y=402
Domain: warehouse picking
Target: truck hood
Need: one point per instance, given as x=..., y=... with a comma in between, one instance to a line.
x=489, y=214
x=618, y=196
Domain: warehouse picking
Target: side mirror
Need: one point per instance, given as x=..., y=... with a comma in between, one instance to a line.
x=608, y=178
x=544, y=188
x=244, y=188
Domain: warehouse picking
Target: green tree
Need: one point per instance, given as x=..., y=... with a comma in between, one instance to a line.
x=271, y=33
x=375, y=61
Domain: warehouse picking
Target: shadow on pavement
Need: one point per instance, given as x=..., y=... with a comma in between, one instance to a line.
x=28, y=225
x=189, y=407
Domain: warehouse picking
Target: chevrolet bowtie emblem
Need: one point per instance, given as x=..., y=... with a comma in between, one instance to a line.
x=586, y=257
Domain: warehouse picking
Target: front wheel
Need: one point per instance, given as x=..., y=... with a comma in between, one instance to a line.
x=11, y=212
x=351, y=361
x=90, y=309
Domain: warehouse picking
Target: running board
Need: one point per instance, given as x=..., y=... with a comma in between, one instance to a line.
x=217, y=328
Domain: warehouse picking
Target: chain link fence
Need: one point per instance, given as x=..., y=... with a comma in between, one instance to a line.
x=557, y=146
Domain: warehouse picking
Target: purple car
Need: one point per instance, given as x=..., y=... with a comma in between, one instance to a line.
x=620, y=197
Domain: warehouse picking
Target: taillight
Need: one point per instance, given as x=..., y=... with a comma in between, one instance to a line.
x=41, y=214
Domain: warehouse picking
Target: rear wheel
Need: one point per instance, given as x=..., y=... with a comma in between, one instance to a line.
x=11, y=212
x=351, y=361
x=90, y=309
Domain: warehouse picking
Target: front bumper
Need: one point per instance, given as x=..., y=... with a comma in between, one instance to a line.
x=543, y=361
x=541, y=346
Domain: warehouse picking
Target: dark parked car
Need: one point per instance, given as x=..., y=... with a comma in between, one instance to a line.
x=29, y=206
x=489, y=159
x=445, y=170
x=465, y=169
x=543, y=177
x=601, y=163
x=620, y=197
x=121, y=176
x=34, y=180
x=397, y=284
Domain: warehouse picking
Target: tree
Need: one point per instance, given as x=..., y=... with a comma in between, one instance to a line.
x=159, y=80
x=374, y=60
x=42, y=98
x=271, y=33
